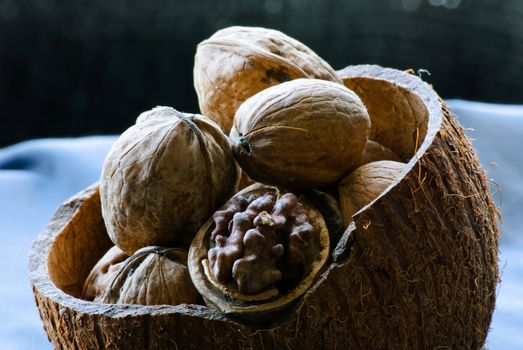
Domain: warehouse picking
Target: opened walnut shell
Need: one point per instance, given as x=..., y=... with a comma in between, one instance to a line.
x=416, y=269
x=163, y=177
x=237, y=62
x=259, y=253
x=304, y=133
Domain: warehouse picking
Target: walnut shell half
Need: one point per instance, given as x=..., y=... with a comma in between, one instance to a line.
x=237, y=62
x=259, y=253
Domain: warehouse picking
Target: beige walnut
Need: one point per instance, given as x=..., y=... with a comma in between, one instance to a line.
x=365, y=184
x=245, y=181
x=374, y=152
x=153, y=276
x=164, y=177
x=237, y=62
x=304, y=133
x=103, y=273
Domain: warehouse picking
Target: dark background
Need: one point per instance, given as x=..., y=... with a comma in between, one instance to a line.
x=81, y=67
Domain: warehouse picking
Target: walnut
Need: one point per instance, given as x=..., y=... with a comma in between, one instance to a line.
x=304, y=133
x=374, y=152
x=103, y=273
x=365, y=184
x=153, y=276
x=266, y=243
x=329, y=207
x=301, y=233
x=229, y=243
x=237, y=62
x=164, y=177
x=245, y=181
x=280, y=244
x=257, y=269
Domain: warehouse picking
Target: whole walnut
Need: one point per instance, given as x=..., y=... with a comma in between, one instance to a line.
x=304, y=133
x=374, y=151
x=365, y=184
x=153, y=276
x=164, y=177
x=103, y=273
x=237, y=62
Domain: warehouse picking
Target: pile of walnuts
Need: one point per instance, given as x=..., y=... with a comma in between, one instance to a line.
x=273, y=112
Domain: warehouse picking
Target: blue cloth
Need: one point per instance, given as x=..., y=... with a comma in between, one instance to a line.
x=36, y=176
x=497, y=135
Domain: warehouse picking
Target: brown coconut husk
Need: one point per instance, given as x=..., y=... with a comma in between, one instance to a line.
x=417, y=268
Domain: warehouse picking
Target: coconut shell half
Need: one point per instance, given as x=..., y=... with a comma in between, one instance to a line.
x=416, y=269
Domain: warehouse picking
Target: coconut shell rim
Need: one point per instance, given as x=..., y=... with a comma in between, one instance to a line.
x=41, y=281
x=430, y=100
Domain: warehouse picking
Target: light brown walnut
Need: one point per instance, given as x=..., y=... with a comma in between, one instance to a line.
x=164, y=177
x=153, y=276
x=300, y=134
x=237, y=62
x=374, y=152
x=365, y=184
x=103, y=273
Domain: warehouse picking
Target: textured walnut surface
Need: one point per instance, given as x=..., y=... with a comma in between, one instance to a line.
x=265, y=255
x=153, y=276
x=304, y=133
x=260, y=244
x=164, y=177
x=237, y=62
x=103, y=273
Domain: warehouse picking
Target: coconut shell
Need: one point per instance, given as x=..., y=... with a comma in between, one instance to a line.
x=365, y=184
x=304, y=133
x=163, y=177
x=237, y=62
x=153, y=276
x=416, y=269
x=401, y=129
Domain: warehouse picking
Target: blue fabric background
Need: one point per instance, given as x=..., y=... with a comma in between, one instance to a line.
x=36, y=176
